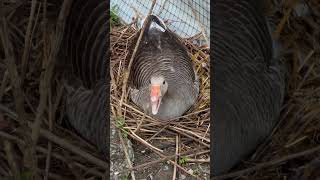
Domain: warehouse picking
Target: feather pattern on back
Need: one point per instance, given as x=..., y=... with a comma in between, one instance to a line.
x=161, y=52
x=248, y=81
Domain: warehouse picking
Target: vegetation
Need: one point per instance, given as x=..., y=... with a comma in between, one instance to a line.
x=114, y=18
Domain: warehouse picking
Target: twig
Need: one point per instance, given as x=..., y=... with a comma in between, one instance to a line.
x=136, y=137
x=3, y=84
x=73, y=148
x=11, y=160
x=157, y=151
x=49, y=66
x=53, y=175
x=176, y=159
x=284, y=19
x=12, y=68
x=158, y=132
x=70, y=165
x=140, y=123
x=178, y=166
x=198, y=160
x=45, y=151
x=270, y=163
x=190, y=132
x=17, y=92
x=62, y=142
x=126, y=153
x=27, y=39
x=45, y=54
x=148, y=164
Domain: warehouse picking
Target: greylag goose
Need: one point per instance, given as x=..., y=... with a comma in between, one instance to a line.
x=86, y=52
x=248, y=81
x=164, y=84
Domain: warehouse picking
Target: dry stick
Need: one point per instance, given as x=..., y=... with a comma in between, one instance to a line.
x=27, y=39
x=140, y=123
x=198, y=160
x=49, y=66
x=176, y=159
x=127, y=73
x=51, y=119
x=70, y=165
x=279, y=28
x=45, y=54
x=158, y=132
x=12, y=69
x=17, y=92
x=157, y=151
x=208, y=128
x=126, y=154
x=11, y=160
x=63, y=143
x=191, y=137
x=177, y=129
x=45, y=151
x=45, y=77
x=72, y=148
x=3, y=84
x=142, y=141
x=180, y=167
x=270, y=163
x=309, y=55
x=148, y=164
x=302, y=82
x=52, y=175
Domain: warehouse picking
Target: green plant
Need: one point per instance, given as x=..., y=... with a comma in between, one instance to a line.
x=114, y=18
x=183, y=160
x=120, y=122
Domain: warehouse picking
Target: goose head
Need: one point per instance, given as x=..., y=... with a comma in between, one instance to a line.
x=158, y=88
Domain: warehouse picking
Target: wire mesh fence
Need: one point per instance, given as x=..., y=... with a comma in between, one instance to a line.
x=187, y=18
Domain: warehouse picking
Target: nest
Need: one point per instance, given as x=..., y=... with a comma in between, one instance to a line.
x=191, y=132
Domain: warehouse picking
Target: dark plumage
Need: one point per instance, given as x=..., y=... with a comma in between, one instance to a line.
x=163, y=60
x=86, y=41
x=86, y=52
x=248, y=81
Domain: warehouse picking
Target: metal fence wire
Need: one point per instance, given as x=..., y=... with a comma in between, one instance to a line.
x=187, y=18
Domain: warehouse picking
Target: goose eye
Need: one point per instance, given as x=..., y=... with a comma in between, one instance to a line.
x=164, y=82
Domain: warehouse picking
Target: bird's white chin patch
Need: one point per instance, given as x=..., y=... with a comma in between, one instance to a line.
x=155, y=106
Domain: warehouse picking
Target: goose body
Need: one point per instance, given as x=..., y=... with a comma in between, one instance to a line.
x=85, y=52
x=163, y=60
x=248, y=81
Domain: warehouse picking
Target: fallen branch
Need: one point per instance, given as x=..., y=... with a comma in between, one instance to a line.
x=268, y=164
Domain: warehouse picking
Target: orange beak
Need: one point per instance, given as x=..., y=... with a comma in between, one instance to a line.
x=155, y=90
x=155, y=98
